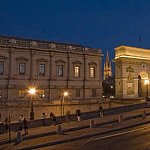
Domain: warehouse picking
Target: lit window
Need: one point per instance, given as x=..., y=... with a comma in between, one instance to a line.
x=22, y=94
x=1, y=67
x=60, y=70
x=93, y=92
x=92, y=72
x=77, y=92
x=77, y=71
x=21, y=68
x=42, y=69
x=41, y=93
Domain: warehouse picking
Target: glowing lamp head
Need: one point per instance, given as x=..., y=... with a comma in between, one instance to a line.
x=146, y=81
x=32, y=91
x=65, y=93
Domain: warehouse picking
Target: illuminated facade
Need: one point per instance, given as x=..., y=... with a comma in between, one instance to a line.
x=107, y=68
x=51, y=68
x=132, y=69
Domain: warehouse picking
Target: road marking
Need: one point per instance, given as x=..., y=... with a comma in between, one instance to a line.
x=118, y=134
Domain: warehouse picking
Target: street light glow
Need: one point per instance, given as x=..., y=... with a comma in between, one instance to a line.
x=146, y=81
x=65, y=93
x=32, y=91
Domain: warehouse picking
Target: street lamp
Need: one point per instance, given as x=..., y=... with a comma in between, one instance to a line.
x=146, y=82
x=112, y=91
x=65, y=94
x=32, y=92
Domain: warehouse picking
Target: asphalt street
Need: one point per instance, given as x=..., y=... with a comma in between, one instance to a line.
x=133, y=139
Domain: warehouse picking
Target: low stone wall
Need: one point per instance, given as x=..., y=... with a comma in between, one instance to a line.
x=16, y=110
x=84, y=115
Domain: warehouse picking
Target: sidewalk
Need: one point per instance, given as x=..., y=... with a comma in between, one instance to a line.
x=48, y=133
x=52, y=130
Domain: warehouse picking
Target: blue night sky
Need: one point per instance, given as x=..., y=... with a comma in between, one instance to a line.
x=103, y=24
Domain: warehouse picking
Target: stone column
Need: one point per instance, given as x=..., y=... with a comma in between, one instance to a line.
x=31, y=64
x=68, y=69
x=9, y=71
x=84, y=80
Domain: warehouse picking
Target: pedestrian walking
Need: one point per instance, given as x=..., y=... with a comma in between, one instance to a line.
x=67, y=116
x=78, y=113
x=25, y=125
x=43, y=117
x=19, y=137
x=53, y=117
x=101, y=112
x=6, y=124
x=21, y=119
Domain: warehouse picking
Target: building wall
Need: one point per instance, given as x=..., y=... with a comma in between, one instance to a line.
x=33, y=53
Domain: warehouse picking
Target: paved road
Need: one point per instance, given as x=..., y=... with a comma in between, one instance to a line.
x=135, y=139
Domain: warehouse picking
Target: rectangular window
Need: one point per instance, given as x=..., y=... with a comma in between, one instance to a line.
x=42, y=69
x=93, y=92
x=77, y=92
x=92, y=72
x=22, y=93
x=41, y=93
x=60, y=70
x=77, y=71
x=1, y=67
x=21, y=68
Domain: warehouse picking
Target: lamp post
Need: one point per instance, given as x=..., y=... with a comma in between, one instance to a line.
x=146, y=82
x=32, y=91
x=65, y=94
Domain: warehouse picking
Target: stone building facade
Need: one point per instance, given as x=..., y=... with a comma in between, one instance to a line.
x=51, y=68
x=132, y=70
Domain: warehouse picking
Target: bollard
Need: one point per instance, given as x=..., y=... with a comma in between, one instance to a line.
x=120, y=118
x=147, y=104
x=144, y=114
x=19, y=137
x=101, y=114
x=59, y=129
x=92, y=125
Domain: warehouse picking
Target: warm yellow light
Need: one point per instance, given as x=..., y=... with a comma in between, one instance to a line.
x=65, y=93
x=128, y=56
x=146, y=81
x=32, y=91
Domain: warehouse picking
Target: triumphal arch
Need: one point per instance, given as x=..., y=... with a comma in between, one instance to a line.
x=132, y=72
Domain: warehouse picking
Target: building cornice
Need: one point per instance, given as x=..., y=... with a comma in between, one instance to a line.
x=132, y=52
x=46, y=45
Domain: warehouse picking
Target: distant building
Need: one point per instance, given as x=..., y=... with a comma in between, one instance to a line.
x=132, y=72
x=51, y=68
x=107, y=67
x=108, y=82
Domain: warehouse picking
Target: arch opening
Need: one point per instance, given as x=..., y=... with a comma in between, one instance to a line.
x=142, y=88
